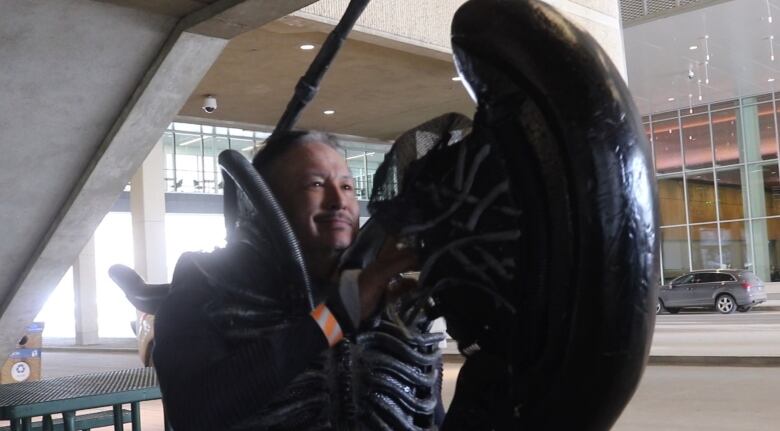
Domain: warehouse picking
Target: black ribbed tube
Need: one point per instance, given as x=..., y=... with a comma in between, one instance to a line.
x=243, y=175
x=309, y=83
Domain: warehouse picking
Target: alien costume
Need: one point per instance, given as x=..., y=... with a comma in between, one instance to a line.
x=535, y=227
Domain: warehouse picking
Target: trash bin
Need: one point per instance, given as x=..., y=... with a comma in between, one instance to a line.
x=24, y=363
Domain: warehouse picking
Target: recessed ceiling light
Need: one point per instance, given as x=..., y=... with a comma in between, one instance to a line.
x=671, y=99
x=456, y=78
x=307, y=47
x=693, y=47
x=771, y=80
x=328, y=112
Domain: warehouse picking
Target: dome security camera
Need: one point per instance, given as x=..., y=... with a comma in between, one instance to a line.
x=209, y=104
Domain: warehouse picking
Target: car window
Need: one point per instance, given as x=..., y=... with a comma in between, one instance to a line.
x=723, y=277
x=704, y=277
x=683, y=280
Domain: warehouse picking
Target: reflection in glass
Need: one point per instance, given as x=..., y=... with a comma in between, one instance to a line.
x=726, y=136
x=674, y=248
x=696, y=141
x=704, y=246
x=734, y=245
x=731, y=197
x=758, y=128
x=701, y=197
x=671, y=200
x=666, y=144
x=764, y=190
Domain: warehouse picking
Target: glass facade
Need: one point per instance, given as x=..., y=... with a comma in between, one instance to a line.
x=191, y=152
x=718, y=186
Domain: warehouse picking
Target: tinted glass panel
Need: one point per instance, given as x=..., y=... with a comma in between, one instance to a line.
x=731, y=200
x=704, y=247
x=704, y=278
x=696, y=141
x=671, y=199
x=735, y=244
x=726, y=135
x=666, y=144
x=701, y=197
x=674, y=246
x=722, y=277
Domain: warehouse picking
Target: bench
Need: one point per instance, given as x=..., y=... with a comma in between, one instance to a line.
x=84, y=422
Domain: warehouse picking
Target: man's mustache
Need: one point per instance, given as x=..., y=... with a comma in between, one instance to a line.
x=336, y=215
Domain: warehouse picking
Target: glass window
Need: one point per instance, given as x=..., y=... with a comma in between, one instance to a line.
x=671, y=199
x=726, y=137
x=356, y=160
x=704, y=246
x=704, y=277
x=758, y=131
x=701, y=197
x=685, y=279
x=696, y=141
x=170, y=165
x=666, y=145
x=373, y=160
x=734, y=245
x=674, y=247
x=189, y=162
x=244, y=146
x=731, y=200
x=766, y=241
x=764, y=190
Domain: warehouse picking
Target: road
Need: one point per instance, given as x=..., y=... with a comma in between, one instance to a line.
x=755, y=333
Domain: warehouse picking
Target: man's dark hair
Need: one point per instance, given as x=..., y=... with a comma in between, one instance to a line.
x=280, y=144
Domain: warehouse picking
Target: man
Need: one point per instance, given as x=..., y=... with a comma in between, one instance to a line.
x=233, y=348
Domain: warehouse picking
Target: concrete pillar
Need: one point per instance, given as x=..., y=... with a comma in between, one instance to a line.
x=85, y=296
x=147, y=208
x=751, y=139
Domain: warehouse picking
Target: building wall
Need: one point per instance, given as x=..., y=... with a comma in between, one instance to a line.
x=718, y=186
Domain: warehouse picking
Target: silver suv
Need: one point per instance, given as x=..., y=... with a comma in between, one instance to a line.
x=724, y=289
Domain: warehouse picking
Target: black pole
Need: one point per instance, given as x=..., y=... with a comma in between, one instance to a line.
x=309, y=83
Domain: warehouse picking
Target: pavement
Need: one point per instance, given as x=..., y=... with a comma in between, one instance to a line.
x=706, y=371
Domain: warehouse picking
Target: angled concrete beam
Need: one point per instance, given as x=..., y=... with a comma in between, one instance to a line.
x=189, y=51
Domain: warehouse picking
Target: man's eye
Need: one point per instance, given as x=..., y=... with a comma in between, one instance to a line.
x=316, y=184
x=347, y=186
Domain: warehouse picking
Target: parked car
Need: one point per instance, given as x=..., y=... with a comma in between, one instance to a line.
x=726, y=290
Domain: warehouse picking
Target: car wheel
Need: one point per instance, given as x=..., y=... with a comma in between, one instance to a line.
x=744, y=309
x=725, y=304
x=659, y=307
x=673, y=310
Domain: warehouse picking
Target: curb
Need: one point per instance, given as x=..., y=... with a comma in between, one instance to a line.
x=716, y=361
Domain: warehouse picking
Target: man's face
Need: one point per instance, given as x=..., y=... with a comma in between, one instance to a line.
x=316, y=191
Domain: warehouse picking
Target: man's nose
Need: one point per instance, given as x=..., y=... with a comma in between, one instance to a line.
x=335, y=197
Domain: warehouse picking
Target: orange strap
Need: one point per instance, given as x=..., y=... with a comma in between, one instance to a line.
x=330, y=327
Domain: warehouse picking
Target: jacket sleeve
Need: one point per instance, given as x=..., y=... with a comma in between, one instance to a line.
x=209, y=383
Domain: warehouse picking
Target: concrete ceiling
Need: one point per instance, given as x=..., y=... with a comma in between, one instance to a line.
x=175, y=8
x=377, y=92
x=659, y=57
